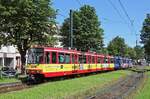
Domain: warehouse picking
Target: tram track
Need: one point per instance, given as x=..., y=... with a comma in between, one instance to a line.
x=16, y=86
x=123, y=88
x=8, y=87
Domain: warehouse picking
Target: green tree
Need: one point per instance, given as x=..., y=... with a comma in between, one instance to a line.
x=25, y=22
x=117, y=46
x=104, y=51
x=130, y=52
x=145, y=35
x=1, y=39
x=87, y=33
x=139, y=52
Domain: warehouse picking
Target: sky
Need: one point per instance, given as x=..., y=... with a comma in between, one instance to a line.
x=114, y=23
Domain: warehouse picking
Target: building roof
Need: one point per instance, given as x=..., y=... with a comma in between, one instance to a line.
x=8, y=49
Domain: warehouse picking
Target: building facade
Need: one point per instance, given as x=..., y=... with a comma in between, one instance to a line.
x=10, y=57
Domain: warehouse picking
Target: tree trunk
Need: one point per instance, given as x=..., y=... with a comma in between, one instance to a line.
x=22, y=47
x=23, y=61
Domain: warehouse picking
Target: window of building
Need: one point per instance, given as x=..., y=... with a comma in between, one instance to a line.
x=54, y=57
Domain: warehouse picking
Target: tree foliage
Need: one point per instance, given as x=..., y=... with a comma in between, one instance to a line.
x=87, y=33
x=139, y=52
x=117, y=46
x=25, y=22
x=130, y=52
x=1, y=39
x=145, y=35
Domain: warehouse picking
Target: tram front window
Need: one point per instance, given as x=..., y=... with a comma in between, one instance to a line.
x=35, y=56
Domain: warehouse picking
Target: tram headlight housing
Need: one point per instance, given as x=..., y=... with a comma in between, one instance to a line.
x=32, y=71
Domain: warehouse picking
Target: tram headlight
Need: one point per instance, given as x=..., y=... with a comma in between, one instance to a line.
x=33, y=66
x=33, y=71
x=39, y=71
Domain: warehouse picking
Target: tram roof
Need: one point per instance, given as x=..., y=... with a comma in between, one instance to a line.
x=67, y=50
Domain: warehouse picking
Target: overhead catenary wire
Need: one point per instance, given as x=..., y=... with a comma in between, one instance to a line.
x=118, y=12
x=62, y=15
x=131, y=25
x=123, y=8
x=113, y=21
x=106, y=19
x=78, y=1
x=120, y=15
x=128, y=17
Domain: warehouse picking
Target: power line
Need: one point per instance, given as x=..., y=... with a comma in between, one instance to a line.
x=106, y=19
x=131, y=26
x=118, y=12
x=115, y=8
x=120, y=15
x=112, y=21
x=123, y=8
x=62, y=15
x=131, y=21
x=78, y=1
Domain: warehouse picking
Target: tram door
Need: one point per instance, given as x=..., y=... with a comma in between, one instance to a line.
x=74, y=63
x=82, y=60
x=106, y=63
x=89, y=62
x=99, y=65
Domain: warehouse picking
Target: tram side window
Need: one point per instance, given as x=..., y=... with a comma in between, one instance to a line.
x=124, y=60
x=102, y=59
x=67, y=58
x=99, y=60
x=112, y=60
x=89, y=59
x=115, y=60
x=93, y=59
x=47, y=57
x=74, y=58
x=106, y=60
x=54, y=57
x=80, y=58
x=61, y=57
x=84, y=59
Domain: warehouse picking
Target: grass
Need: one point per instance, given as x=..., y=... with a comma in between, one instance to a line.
x=67, y=88
x=144, y=91
x=147, y=67
x=8, y=80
